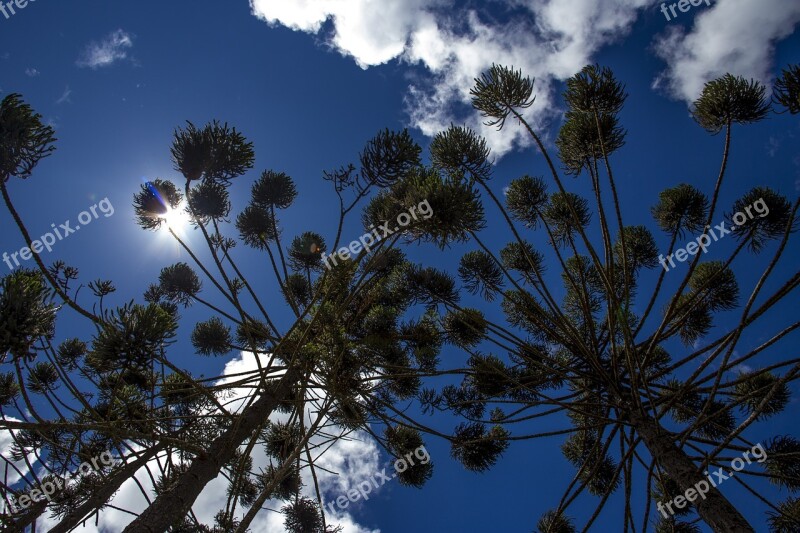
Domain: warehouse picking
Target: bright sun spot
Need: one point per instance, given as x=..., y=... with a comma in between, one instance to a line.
x=176, y=219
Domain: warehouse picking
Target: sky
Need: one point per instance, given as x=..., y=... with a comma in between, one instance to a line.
x=309, y=82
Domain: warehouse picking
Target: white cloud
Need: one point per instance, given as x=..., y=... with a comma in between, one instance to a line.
x=371, y=32
x=31, y=72
x=20, y=467
x=736, y=36
x=548, y=39
x=104, y=53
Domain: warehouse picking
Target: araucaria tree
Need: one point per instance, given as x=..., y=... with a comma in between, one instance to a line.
x=349, y=354
x=648, y=362
x=645, y=381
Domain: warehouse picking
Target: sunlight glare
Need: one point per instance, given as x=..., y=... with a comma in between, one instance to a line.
x=176, y=219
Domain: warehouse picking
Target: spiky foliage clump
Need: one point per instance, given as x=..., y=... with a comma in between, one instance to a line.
x=212, y=337
x=567, y=214
x=481, y=274
x=132, y=335
x=465, y=327
x=787, y=517
x=70, y=352
x=389, y=157
x=302, y=516
x=253, y=334
x=786, y=92
x=730, y=100
x=257, y=227
x=24, y=139
x=27, y=312
x=305, y=252
x=285, y=486
x=214, y=152
x=452, y=203
x=43, y=378
x=762, y=394
x=584, y=138
x=591, y=128
x=179, y=283
x=681, y=209
x=555, y=522
x=477, y=448
x=154, y=202
x=274, y=190
x=500, y=92
x=459, y=150
x=672, y=525
x=407, y=446
x=209, y=201
x=526, y=199
x=767, y=217
x=783, y=461
x=9, y=389
x=595, y=466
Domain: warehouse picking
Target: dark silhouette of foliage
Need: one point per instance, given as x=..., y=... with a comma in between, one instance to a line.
x=24, y=140
x=787, y=89
x=576, y=337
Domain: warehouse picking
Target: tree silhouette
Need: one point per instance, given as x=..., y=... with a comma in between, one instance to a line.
x=350, y=354
x=649, y=404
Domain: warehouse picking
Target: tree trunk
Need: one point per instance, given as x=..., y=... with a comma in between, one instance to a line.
x=715, y=509
x=99, y=498
x=169, y=507
x=30, y=516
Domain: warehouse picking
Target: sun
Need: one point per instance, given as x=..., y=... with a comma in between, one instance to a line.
x=176, y=219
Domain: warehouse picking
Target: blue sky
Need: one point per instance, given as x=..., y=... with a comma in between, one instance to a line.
x=310, y=82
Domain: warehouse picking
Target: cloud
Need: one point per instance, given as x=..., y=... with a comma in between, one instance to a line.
x=548, y=39
x=31, y=72
x=106, y=52
x=736, y=36
x=13, y=469
x=65, y=96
